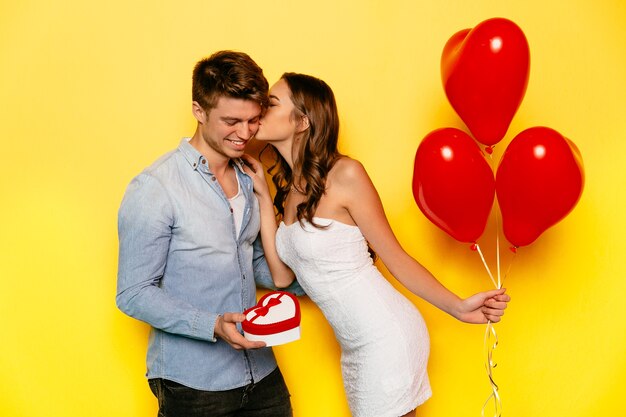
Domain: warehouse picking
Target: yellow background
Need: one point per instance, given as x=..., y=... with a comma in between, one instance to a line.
x=92, y=92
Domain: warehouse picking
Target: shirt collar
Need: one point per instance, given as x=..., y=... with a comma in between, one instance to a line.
x=195, y=158
x=190, y=153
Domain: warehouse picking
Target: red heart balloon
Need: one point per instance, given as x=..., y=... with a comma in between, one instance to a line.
x=539, y=181
x=485, y=73
x=453, y=184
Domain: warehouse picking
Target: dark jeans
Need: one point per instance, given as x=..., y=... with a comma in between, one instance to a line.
x=266, y=398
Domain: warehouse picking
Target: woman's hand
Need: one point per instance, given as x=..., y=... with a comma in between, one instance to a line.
x=254, y=169
x=483, y=307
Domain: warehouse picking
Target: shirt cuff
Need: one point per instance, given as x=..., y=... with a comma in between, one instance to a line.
x=211, y=329
x=203, y=327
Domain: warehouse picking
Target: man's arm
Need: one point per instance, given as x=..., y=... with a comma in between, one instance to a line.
x=144, y=226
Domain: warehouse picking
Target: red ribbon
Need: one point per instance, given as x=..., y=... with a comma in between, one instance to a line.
x=262, y=311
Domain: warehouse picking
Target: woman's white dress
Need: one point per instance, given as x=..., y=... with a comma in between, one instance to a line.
x=384, y=340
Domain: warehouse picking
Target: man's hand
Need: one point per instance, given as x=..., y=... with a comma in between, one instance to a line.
x=226, y=329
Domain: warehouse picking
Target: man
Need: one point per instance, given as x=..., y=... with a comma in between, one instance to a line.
x=190, y=254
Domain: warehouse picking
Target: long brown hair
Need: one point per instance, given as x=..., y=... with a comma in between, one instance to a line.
x=317, y=152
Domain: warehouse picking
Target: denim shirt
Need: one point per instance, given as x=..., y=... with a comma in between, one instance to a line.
x=181, y=265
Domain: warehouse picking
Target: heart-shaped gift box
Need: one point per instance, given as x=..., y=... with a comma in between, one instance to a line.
x=275, y=319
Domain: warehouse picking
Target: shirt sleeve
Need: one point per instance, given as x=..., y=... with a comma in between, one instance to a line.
x=145, y=221
x=262, y=275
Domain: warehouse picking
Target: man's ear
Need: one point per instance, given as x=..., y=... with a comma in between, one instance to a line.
x=304, y=124
x=198, y=112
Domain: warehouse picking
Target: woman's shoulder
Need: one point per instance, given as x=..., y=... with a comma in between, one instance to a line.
x=347, y=170
x=346, y=166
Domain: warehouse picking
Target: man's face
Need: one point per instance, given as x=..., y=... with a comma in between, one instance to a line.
x=226, y=129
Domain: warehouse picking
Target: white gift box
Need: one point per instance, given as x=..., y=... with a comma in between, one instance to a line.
x=275, y=319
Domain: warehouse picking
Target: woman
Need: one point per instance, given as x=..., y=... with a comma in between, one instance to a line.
x=329, y=210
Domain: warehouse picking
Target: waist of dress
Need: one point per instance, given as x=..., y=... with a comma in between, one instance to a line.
x=347, y=285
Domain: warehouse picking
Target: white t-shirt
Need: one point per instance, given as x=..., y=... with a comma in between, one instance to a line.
x=238, y=203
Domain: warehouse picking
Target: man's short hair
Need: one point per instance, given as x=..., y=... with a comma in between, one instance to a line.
x=230, y=74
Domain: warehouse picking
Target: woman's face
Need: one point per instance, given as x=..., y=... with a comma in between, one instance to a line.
x=278, y=123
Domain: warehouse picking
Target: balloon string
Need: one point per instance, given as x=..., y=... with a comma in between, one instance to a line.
x=498, y=248
x=499, y=284
x=490, y=330
x=482, y=257
x=489, y=366
x=510, y=265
